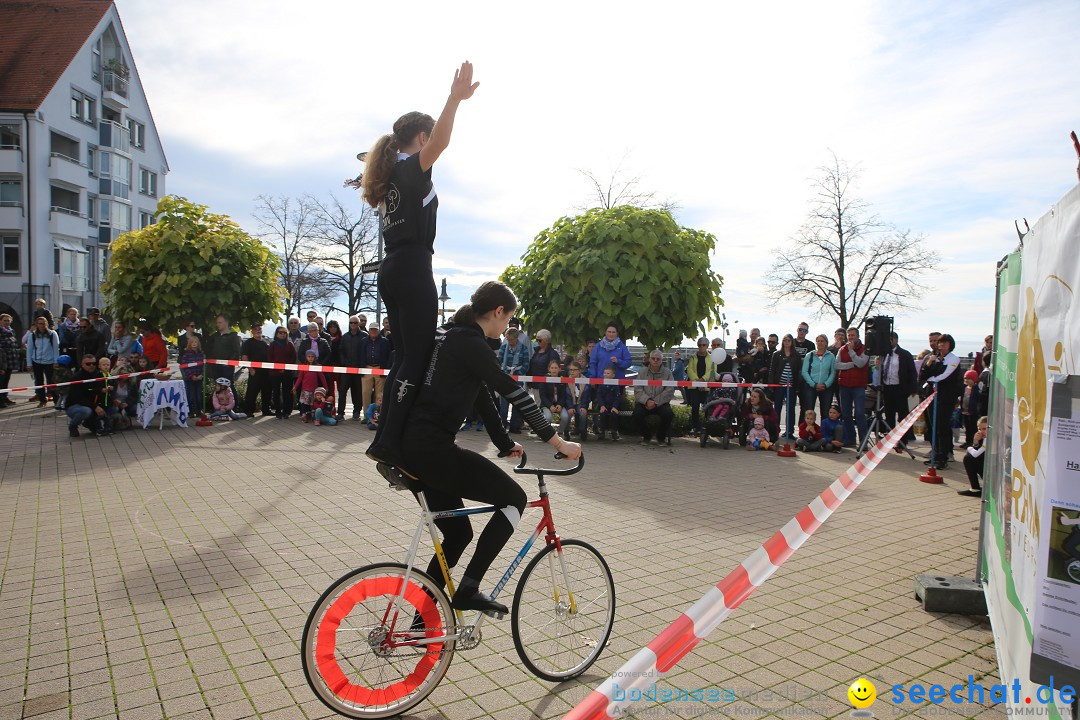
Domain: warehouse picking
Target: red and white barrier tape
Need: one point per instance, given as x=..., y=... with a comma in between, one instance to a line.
x=536, y=379
x=121, y=376
x=679, y=638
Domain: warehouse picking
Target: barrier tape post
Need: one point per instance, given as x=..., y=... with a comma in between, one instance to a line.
x=786, y=451
x=204, y=420
x=678, y=639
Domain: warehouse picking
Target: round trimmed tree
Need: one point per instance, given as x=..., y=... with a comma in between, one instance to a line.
x=192, y=264
x=624, y=264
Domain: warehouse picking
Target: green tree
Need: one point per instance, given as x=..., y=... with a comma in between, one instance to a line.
x=192, y=263
x=635, y=267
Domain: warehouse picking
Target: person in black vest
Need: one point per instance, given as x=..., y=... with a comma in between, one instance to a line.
x=941, y=370
x=898, y=382
x=256, y=349
x=351, y=354
x=803, y=345
x=85, y=404
x=397, y=181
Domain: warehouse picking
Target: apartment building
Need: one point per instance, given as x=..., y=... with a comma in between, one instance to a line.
x=80, y=158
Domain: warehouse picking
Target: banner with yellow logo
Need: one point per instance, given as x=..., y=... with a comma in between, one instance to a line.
x=1036, y=339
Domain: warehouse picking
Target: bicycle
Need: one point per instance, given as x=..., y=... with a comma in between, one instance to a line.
x=380, y=638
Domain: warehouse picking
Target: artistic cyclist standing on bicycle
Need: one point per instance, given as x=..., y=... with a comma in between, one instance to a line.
x=462, y=362
x=397, y=181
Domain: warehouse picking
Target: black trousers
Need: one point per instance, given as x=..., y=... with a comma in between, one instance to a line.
x=664, y=412
x=412, y=304
x=973, y=466
x=449, y=475
x=351, y=384
x=697, y=398
x=895, y=406
x=943, y=437
x=281, y=394
x=43, y=375
x=258, y=383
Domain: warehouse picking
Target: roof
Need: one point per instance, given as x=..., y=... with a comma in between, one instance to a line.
x=39, y=41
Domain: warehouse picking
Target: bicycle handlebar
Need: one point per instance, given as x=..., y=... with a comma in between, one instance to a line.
x=522, y=470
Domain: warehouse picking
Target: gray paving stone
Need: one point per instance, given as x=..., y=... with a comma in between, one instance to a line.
x=170, y=573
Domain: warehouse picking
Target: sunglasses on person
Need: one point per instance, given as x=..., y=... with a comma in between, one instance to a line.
x=89, y=363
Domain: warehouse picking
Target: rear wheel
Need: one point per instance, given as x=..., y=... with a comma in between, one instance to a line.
x=363, y=662
x=704, y=439
x=726, y=439
x=561, y=621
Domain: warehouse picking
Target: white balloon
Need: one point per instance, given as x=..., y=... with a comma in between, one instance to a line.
x=719, y=355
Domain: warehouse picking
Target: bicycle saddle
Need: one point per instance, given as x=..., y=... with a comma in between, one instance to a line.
x=397, y=479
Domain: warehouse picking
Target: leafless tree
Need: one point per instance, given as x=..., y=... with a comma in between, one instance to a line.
x=618, y=189
x=845, y=260
x=290, y=227
x=344, y=240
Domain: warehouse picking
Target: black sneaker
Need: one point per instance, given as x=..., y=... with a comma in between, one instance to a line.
x=73, y=432
x=477, y=600
x=969, y=493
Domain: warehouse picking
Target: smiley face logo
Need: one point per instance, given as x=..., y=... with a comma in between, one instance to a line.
x=862, y=693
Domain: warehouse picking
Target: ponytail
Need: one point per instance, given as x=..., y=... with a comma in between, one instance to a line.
x=383, y=155
x=380, y=161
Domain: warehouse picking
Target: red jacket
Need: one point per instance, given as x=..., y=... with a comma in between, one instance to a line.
x=153, y=346
x=285, y=353
x=809, y=433
x=308, y=380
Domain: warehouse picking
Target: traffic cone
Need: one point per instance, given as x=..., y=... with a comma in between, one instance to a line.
x=786, y=451
x=204, y=421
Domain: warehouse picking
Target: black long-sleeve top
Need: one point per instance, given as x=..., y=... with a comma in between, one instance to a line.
x=462, y=363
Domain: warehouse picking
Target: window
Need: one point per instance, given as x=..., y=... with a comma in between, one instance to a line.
x=91, y=208
x=103, y=263
x=95, y=61
x=9, y=260
x=64, y=200
x=138, y=133
x=83, y=107
x=91, y=157
x=11, y=193
x=147, y=182
x=10, y=137
x=114, y=214
x=64, y=146
x=71, y=264
x=145, y=219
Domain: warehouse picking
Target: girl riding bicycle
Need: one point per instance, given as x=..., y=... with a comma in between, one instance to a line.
x=462, y=364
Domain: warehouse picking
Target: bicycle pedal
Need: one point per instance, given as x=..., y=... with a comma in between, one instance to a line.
x=495, y=615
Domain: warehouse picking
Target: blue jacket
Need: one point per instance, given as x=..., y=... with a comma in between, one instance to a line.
x=553, y=394
x=601, y=358
x=607, y=395
x=819, y=370
x=514, y=360
x=375, y=353
x=43, y=350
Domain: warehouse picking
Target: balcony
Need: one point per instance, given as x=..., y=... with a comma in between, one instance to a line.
x=114, y=135
x=11, y=217
x=114, y=90
x=69, y=223
x=68, y=171
x=11, y=160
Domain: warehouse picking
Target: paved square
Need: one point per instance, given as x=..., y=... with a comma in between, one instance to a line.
x=168, y=574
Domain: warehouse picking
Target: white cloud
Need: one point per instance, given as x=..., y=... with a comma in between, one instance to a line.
x=959, y=115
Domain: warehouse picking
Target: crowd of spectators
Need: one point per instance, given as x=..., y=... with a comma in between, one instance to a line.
x=823, y=396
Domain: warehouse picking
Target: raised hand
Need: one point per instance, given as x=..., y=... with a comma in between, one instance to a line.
x=463, y=86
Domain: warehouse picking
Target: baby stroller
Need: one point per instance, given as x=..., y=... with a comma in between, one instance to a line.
x=722, y=412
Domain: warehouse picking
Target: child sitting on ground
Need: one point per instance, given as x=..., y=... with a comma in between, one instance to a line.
x=832, y=430
x=371, y=414
x=322, y=408
x=553, y=400
x=810, y=438
x=758, y=438
x=224, y=401
x=608, y=398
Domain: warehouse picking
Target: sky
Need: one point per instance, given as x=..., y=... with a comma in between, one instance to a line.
x=957, y=114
